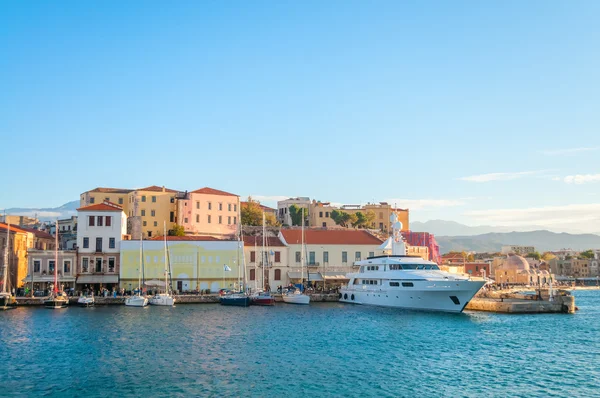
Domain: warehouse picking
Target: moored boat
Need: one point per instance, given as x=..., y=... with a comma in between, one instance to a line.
x=7, y=300
x=166, y=298
x=295, y=297
x=262, y=298
x=236, y=299
x=86, y=301
x=162, y=299
x=57, y=299
x=137, y=300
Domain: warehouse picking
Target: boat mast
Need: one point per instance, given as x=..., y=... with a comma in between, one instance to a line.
x=263, y=252
x=56, y=257
x=302, y=252
x=166, y=256
x=140, y=269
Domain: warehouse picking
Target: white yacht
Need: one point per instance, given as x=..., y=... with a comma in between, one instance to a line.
x=136, y=301
x=162, y=299
x=295, y=297
x=402, y=281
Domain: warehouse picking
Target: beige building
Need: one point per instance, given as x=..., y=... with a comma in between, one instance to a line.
x=275, y=258
x=20, y=221
x=320, y=214
x=283, y=208
x=420, y=251
x=41, y=269
x=573, y=267
x=208, y=211
x=515, y=270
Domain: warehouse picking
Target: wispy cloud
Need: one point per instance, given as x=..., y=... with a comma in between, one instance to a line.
x=573, y=214
x=421, y=204
x=500, y=176
x=582, y=178
x=568, y=151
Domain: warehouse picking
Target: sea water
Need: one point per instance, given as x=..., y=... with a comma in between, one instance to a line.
x=325, y=349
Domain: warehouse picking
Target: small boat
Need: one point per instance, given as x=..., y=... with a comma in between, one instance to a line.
x=57, y=299
x=7, y=300
x=136, y=301
x=262, y=298
x=162, y=299
x=86, y=301
x=295, y=297
x=236, y=299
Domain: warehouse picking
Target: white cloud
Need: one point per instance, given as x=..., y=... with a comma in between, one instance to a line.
x=582, y=178
x=420, y=204
x=583, y=215
x=568, y=151
x=500, y=176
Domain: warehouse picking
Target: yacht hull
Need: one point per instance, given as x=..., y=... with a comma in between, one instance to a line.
x=163, y=300
x=236, y=301
x=446, y=296
x=7, y=302
x=136, y=301
x=264, y=301
x=296, y=299
x=56, y=303
x=85, y=302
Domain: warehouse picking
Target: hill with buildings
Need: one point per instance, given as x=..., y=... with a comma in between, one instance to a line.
x=47, y=213
x=542, y=240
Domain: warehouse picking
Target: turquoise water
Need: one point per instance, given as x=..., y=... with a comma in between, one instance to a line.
x=321, y=349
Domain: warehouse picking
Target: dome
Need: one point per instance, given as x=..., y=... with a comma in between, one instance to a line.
x=514, y=262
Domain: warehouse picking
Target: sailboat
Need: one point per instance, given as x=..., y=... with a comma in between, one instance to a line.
x=262, y=296
x=137, y=300
x=165, y=298
x=240, y=298
x=7, y=300
x=86, y=301
x=58, y=299
x=297, y=296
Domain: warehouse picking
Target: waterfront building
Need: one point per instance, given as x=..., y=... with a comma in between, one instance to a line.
x=275, y=257
x=41, y=263
x=516, y=249
x=67, y=233
x=209, y=212
x=19, y=241
x=329, y=254
x=283, y=208
x=39, y=240
x=198, y=263
x=515, y=269
x=574, y=267
x=102, y=228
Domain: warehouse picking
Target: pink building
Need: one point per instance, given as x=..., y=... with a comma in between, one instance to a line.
x=208, y=211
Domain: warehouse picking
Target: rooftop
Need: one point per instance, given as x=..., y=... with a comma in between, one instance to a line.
x=12, y=228
x=111, y=190
x=156, y=188
x=186, y=238
x=38, y=233
x=330, y=237
x=212, y=191
x=104, y=206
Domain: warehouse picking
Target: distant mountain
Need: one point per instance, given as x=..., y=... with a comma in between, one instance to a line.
x=48, y=213
x=541, y=240
x=452, y=228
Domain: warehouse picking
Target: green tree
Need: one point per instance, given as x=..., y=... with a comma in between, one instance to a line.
x=369, y=218
x=534, y=255
x=251, y=213
x=361, y=220
x=547, y=256
x=296, y=215
x=341, y=218
x=589, y=254
x=177, y=230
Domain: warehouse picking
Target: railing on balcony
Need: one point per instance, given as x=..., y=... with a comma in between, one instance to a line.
x=313, y=264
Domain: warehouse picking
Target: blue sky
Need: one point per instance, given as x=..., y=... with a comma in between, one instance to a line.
x=478, y=112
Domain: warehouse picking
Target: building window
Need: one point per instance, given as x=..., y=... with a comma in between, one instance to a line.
x=344, y=257
x=357, y=256
x=321, y=214
x=209, y=206
x=86, y=243
x=234, y=207
x=111, y=243
x=198, y=205
x=107, y=199
x=228, y=220
x=298, y=259
x=51, y=266
x=108, y=221
x=197, y=218
x=120, y=201
x=277, y=258
x=234, y=220
x=252, y=256
x=209, y=218
x=111, y=264
x=325, y=257
x=252, y=275
x=149, y=234
x=99, y=245
x=92, y=200
x=172, y=217
x=371, y=254
x=326, y=214
x=99, y=221
x=67, y=266
x=220, y=219
x=84, y=264
x=98, y=264
x=154, y=199
x=324, y=224
x=311, y=258
x=277, y=276
x=153, y=213
x=229, y=206
x=91, y=221
x=220, y=206
x=143, y=213
x=143, y=198
x=145, y=223
x=36, y=265
x=156, y=223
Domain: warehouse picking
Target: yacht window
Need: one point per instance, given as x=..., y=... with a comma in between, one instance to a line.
x=407, y=284
x=409, y=266
x=394, y=283
x=420, y=267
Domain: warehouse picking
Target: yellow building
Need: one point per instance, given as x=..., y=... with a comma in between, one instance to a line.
x=515, y=269
x=19, y=241
x=197, y=262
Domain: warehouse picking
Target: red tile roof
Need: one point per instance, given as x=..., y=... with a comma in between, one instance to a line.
x=38, y=233
x=263, y=207
x=104, y=206
x=111, y=190
x=272, y=241
x=212, y=191
x=156, y=188
x=186, y=238
x=13, y=228
x=330, y=237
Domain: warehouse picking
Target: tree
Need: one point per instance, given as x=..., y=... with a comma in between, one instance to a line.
x=296, y=214
x=534, y=255
x=369, y=218
x=547, y=256
x=341, y=218
x=589, y=254
x=360, y=220
x=252, y=213
x=177, y=230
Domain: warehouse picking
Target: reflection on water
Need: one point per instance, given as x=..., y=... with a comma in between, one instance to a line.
x=321, y=349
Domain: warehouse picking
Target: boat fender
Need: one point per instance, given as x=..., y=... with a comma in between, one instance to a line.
x=352, y=297
x=345, y=296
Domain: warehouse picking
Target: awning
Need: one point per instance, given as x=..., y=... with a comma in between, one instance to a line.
x=328, y=276
x=296, y=275
x=48, y=278
x=98, y=279
x=316, y=277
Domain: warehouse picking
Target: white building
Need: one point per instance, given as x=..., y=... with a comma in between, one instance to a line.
x=283, y=208
x=275, y=258
x=41, y=264
x=100, y=230
x=516, y=249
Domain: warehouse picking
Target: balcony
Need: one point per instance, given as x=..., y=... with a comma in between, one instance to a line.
x=313, y=264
